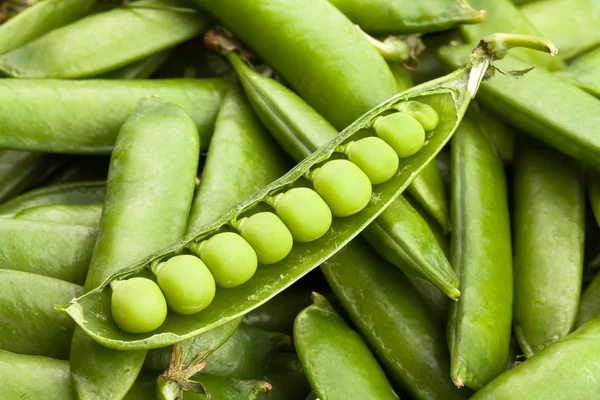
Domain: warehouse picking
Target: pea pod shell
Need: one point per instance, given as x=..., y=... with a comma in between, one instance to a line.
x=231, y=389
x=589, y=306
x=101, y=106
x=479, y=325
x=583, y=72
x=549, y=225
x=428, y=190
x=87, y=214
x=337, y=362
x=127, y=35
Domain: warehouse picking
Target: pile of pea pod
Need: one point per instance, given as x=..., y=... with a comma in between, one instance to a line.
x=300, y=200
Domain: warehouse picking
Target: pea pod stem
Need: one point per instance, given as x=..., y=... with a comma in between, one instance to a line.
x=398, y=49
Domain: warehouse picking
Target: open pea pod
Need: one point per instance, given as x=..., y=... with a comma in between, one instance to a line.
x=449, y=96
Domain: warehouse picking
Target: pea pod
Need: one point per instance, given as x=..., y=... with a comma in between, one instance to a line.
x=502, y=135
x=544, y=106
x=88, y=214
x=548, y=251
x=69, y=193
x=231, y=389
x=384, y=17
x=334, y=68
x=583, y=72
x=299, y=129
x=571, y=38
x=278, y=314
x=380, y=302
x=589, y=305
x=102, y=106
x=29, y=323
x=479, y=325
x=338, y=364
x=449, y=96
x=287, y=378
x=504, y=16
x=141, y=69
x=428, y=190
x=149, y=193
x=18, y=169
x=566, y=368
x=127, y=35
x=39, y=19
x=30, y=246
x=34, y=377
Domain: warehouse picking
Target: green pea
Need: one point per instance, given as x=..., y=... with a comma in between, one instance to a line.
x=268, y=236
x=138, y=305
x=374, y=157
x=343, y=186
x=230, y=258
x=423, y=113
x=305, y=214
x=401, y=131
x=187, y=284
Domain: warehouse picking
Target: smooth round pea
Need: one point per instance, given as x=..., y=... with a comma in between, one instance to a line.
x=138, y=305
x=345, y=188
x=268, y=236
x=187, y=284
x=375, y=158
x=305, y=214
x=423, y=113
x=230, y=258
x=401, y=131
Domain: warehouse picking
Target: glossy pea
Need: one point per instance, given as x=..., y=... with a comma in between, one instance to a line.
x=268, y=236
x=230, y=258
x=401, y=131
x=138, y=305
x=374, y=157
x=304, y=212
x=423, y=113
x=187, y=284
x=345, y=187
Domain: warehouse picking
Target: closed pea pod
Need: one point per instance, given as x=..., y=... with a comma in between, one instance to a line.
x=88, y=214
x=549, y=235
x=149, y=192
x=337, y=362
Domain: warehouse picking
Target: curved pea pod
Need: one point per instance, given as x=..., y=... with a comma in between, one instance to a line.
x=278, y=314
x=39, y=19
x=102, y=106
x=589, y=306
x=334, y=68
x=18, y=169
x=68, y=193
x=428, y=190
x=299, y=129
x=567, y=368
x=393, y=320
x=504, y=16
x=149, y=193
x=383, y=17
x=543, y=105
x=29, y=323
x=571, y=38
x=548, y=261
x=34, y=377
x=449, y=96
x=141, y=69
x=86, y=214
x=61, y=251
x=338, y=364
x=286, y=377
x=479, y=324
x=127, y=35
x=583, y=72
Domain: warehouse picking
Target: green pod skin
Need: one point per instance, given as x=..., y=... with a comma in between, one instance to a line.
x=29, y=323
x=230, y=389
x=127, y=35
x=102, y=106
x=583, y=72
x=39, y=19
x=338, y=364
x=548, y=252
x=479, y=325
x=567, y=368
x=589, y=306
x=148, y=198
x=544, y=106
x=19, y=169
x=299, y=129
x=571, y=38
x=69, y=193
x=31, y=246
x=76, y=214
x=504, y=16
x=502, y=135
x=380, y=302
x=401, y=76
x=334, y=68
x=246, y=355
x=428, y=190
x=381, y=17
x=34, y=377
x=287, y=378
x=278, y=314
x=141, y=69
